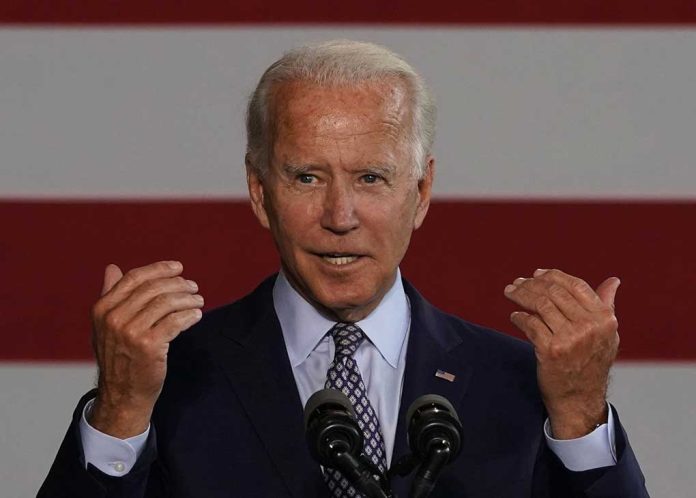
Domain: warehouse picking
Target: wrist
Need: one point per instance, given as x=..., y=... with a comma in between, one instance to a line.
x=574, y=423
x=120, y=419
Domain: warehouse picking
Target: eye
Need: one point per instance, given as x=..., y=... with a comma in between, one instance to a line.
x=305, y=178
x=370, y=178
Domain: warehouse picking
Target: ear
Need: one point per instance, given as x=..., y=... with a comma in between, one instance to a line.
x=425, y=186
x=256, y=192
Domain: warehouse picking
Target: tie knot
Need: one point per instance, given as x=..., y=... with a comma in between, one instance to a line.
x=347, y=337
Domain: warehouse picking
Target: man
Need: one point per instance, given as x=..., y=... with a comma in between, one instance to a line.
x=340, y=170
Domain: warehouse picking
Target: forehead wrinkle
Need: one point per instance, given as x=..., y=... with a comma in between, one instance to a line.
x=290, y=101
x=307, y=114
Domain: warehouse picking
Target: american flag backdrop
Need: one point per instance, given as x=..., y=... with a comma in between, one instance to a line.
x=566, y=138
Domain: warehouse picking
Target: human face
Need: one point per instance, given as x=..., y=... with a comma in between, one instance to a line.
x=340, y=196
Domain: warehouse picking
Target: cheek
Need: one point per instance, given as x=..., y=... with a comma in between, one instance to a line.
x=294, y=220
x=391, y=224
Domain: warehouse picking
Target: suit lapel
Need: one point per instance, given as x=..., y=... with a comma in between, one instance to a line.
x=432, y=345
x=256, y=364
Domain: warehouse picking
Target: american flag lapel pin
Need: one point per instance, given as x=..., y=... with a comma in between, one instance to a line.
x=441, y=374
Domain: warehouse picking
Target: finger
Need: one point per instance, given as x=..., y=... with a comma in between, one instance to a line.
x=135, y=277
x=173, y=324
x=538, y=304
x=577, y=287
x=150, y=289
x=163, y=305
x=112, y=274
x=533, y=327
x=566, y=303
x=607, y=291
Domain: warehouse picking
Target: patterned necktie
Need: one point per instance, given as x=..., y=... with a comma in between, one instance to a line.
x=344, y=375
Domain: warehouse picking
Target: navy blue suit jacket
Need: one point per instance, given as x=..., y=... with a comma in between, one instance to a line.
x=229, y=420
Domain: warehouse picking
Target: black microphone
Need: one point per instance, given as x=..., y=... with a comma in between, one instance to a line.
x=336, y=441
x=435, y=438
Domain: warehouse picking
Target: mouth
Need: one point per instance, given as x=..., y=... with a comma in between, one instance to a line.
x=339, y=259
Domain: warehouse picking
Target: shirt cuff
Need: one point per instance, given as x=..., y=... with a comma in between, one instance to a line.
x=113, y=456
x=596, y=449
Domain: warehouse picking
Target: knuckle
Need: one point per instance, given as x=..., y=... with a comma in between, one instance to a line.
x=557, y=350
x=166, y=267
x=149, y=286
x=136, y=340
x=160, y=301
x=130, y=334
x=183, y=318
x=97, y=310
x=175, y=322
x=556, y=291
x=580, y=286
x=171, y=320
x=544, y=305
x=191, y=317
x=113, y=320
x=519, y=318
x=131, y=279
x=554, y=273
x=613, y=322
x=144, y=342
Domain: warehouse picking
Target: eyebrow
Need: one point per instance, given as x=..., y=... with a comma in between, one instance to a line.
x=383, y=169
x=299, y=169
x=293, y=170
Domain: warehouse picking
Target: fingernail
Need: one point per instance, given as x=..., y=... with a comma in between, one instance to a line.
x=510, y=288
x=540, y=271
x=174, y=265
x=193, y=285
x=199, y=298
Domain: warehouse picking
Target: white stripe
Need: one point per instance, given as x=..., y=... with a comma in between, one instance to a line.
x=523, y=112
x=36, y=405
x=657, y=406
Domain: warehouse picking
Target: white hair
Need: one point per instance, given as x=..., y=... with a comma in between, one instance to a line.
x=340, y=62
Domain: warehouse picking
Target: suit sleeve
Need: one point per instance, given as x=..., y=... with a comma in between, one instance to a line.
x=625, y=479
x=70, y=478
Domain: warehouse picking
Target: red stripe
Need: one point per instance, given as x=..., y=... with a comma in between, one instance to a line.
x=355, y=11
x=52, y=257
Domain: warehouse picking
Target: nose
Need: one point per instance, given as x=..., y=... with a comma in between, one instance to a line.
x=339, y=214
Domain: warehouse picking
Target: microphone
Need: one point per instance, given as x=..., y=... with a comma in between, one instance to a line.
x=435, y=437
x=336, y=441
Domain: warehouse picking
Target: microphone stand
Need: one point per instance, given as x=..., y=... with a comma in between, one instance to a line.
x=363, y=475
x=424, y=482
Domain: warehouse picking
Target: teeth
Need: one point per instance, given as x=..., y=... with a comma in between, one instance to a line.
x=342, y=260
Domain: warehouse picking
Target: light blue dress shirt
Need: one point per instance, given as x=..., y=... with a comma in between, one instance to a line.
x=382, y=361
x=381, y=358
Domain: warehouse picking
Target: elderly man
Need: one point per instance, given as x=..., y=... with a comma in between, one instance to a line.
x=340, y=170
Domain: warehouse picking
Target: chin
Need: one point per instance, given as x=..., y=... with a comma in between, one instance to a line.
x=347, y=299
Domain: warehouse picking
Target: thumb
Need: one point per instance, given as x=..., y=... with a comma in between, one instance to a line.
x=112, y=274
x=607, y=290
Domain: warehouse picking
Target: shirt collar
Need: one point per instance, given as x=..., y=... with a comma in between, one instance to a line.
x=304, y=327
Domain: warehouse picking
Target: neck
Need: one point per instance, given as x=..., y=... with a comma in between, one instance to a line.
x=349, y=314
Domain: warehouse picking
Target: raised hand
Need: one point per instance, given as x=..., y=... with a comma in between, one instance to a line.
x=575, y=336
x=134, y=321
